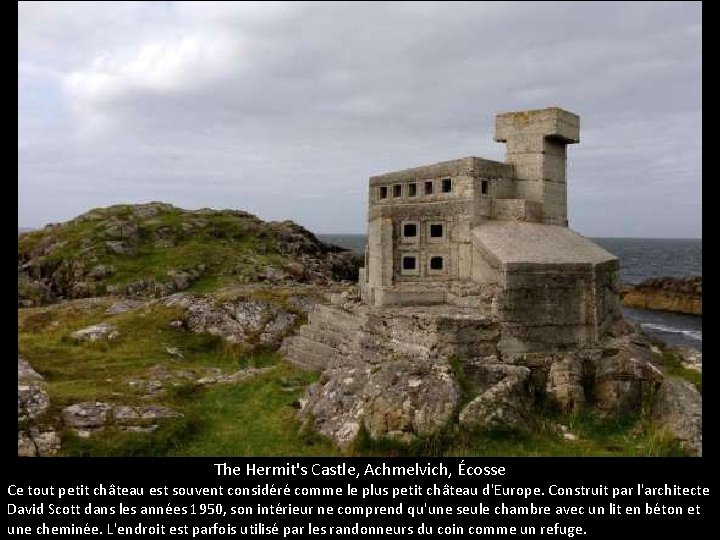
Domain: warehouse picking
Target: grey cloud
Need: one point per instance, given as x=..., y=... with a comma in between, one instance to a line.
x=317, y=97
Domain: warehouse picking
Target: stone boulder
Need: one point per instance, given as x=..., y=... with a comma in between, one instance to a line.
x=401, y=400
x=96, y=332
x=564, y=386
x=623, y=382
x=243, y=320
x=679, y=408
x=38, y=441
x=504, y=403
x=87, y=416
x=124, y=305
x=405, y=400
x=90, y=417
x=34, y=437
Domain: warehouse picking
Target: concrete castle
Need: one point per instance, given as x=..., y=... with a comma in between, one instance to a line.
x=493, y=236
x=477, y=303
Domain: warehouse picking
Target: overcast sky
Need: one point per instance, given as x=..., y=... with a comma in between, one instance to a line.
x=285, y=110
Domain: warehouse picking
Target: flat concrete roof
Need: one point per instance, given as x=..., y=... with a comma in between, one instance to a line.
x=455, y=167
x=521, y=242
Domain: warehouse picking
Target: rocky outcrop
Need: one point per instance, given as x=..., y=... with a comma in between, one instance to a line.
x=680, y=295
x=503, y=400
x=690, y=358
x=96, y=332
x=90, y=417
x=151, y=250
x=238, y=320
x=410, y=373
x=679, y=409
x=35, y=437
x=387, y=372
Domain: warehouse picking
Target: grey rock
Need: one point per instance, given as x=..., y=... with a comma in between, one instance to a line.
x=26, y=446
x=302, y=303
x=215, y=376
x=88, y=415
x=278, y=328
x=26, y=372
x=38, y=442
x=32, y=401
x=565, y=383
x=153, y=387
x=96, y=332
x=150, y=209
x=121, y=247
x=679, y=408
x=101, y=271
x=691, y=358
x=124, y=306
x=135, y=415
x=140, y=429
x=504, y=404
x=174, y=352
x=160, y=373
x=394, y=403
x=273, y=274
x=387, y=401
x=238, y=321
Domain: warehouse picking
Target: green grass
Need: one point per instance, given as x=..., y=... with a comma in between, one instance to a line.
x=255, y=418
x=597, y=435
x=672, y=365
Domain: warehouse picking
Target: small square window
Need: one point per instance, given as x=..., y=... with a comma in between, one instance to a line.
x=447, y=185
x=436, y=263
x=412, y=190
x=410, y=230
x=383, y=192
x=484, y=187
x=397, y=190
x=428, y=187
x=436, y=231
x=409, y=262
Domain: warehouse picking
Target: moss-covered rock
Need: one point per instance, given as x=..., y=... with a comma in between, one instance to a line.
x=156, y=249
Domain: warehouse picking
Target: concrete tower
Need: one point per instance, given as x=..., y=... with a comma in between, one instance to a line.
x=536, y=144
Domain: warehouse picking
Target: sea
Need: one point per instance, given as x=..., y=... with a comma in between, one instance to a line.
x=640, y=258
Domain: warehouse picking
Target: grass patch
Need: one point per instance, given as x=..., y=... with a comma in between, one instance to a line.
x=114, y=442
x=597, y=435
x=673, y=365
x=255, y=418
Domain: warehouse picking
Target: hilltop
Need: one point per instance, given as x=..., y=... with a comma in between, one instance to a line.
x=155, y=249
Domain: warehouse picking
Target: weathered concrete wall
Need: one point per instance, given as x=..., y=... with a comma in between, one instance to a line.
x=336, y=335
x=536, y=146
x=559, y=290
x=517, y=210
x=608, y=308
x=559, y=307
x=546, y=309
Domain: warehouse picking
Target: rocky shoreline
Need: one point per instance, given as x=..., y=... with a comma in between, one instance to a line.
x=678, y=295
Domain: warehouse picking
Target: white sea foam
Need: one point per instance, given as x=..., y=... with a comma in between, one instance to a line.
x=692, y=334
